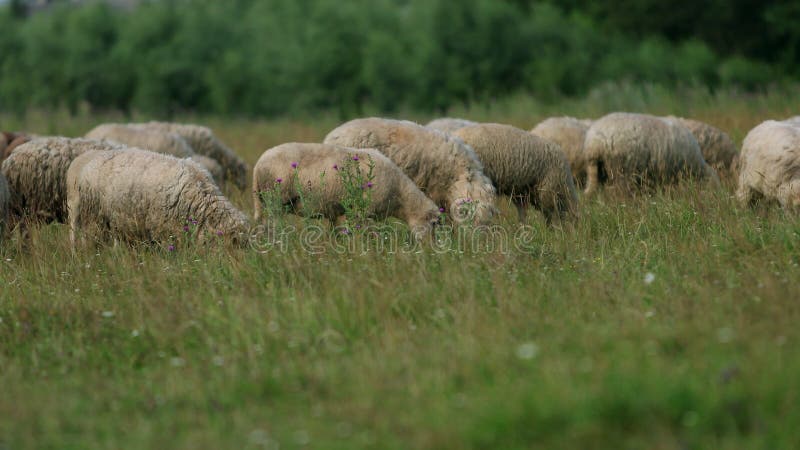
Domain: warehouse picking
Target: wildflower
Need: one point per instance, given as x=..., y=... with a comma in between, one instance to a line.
x=649, y=277
x=171, y=248
x=186, y=228
x=369, y=185
x=355, y=157
x=294, y=165
x=219, y=232
x=279, y=180
x=335, y=167
x=194, y=222
x=345, y=231
x=528, y=350
x=441, y=210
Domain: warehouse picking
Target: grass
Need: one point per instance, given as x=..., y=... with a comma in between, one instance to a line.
x=660, y=321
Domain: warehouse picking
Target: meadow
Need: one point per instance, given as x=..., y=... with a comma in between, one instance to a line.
x=662, y=321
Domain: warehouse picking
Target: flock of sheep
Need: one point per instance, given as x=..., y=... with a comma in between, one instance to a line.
x=143, y=182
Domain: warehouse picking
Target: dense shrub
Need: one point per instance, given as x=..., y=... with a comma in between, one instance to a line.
x=273, y=57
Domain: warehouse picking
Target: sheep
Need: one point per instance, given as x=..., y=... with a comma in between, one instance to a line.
x=569, y=133
x=4, y=198
x=449, y=125
x=204, y=142
x=529, y=169
x=770, y=165
x=639, y=150
x=443, y=167
x=288, y=167
x=36, y=172
x=717, y=147
x=141, y=196
x=10, y=141
x=158, y=141
x=793, y=120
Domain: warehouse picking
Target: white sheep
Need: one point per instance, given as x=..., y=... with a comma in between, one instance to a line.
x=449, y=124
x=37, y=171
x=569, y=133
x=443, y=167
x=297, y=168
x=531, y=170
x=639, y=150
x=204, y=142
x=141, y=196
x=770, y=165
x=717, y=147
x=158, y=141
x=4, y=199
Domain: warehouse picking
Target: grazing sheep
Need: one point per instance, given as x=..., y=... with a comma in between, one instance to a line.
x=638, y=150
x=393, y=194
x=141, y=196
x=443, y=167
x=569, y=133
x=158, y=141
x=770, y=165
x=4, y=198
x=449, y=125
x=10, y=141
x=717, y=147
x=529, y=169
x=37, y=171
x=204, y=142
x=793, y=120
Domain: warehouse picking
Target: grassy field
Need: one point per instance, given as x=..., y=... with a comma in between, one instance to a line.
x=666, y=322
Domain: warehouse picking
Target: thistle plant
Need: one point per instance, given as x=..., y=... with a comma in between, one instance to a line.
x=357, y=197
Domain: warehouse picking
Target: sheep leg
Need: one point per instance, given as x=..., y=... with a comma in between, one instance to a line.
x=592, y=177
x=257, y=206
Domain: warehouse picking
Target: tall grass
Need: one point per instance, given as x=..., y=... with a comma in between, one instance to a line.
x=657, y=321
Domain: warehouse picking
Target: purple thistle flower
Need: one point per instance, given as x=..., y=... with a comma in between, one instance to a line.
x=294, y=165
x=219, y=232
x=279, y=180
x=345, y=231
x=186, y=228
x=355, y=157
x=171, y=248
x=194, y=222
x=358, y=226
x=369, y=184
x=335, y=167
x=441, y=210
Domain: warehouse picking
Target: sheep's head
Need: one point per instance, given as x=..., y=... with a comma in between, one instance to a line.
x=424, y=224
x=472, y=200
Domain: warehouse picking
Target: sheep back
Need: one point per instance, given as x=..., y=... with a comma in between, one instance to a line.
x=156, y=141
x=36, y=172
x=204, y=142
x=526, y=167
x=640, y=150
x=448, y=124
x=569, y=133
x=442, y=166
x=770, y=164
x=141, y=196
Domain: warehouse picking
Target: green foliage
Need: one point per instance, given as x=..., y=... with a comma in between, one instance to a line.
x=275, y=57
x=357, y=196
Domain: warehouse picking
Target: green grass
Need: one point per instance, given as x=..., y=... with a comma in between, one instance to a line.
x=560, y=343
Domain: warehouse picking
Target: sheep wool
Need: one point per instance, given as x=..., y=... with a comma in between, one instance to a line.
x=4, y=198
x=529, y=169
x=642, y=151
x=10, y=141
x=204, y=142
x=157, y=141
x=442, y=166
x=717, y=147
x=37, y=171
x=770, y=165
x=291, y=166
x=142, y=196
x=569, y=133
x=449, y=125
